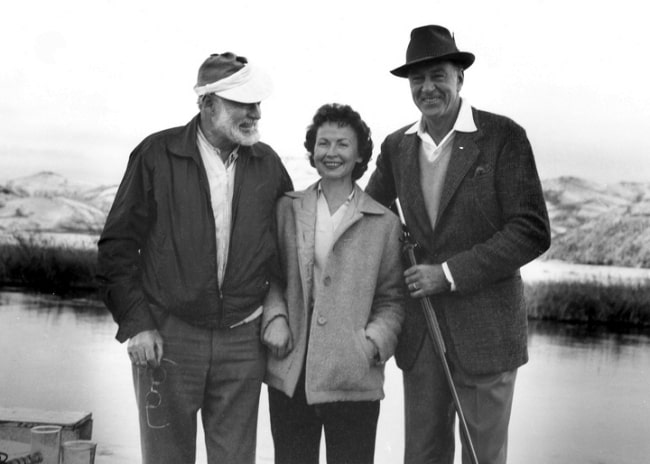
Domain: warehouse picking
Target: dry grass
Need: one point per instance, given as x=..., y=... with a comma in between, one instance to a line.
x=42, y=266
x=45, y=267
x=612, y=241
x=592, y=301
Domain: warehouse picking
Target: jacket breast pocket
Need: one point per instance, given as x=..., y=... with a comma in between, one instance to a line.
x=481, y=171
x=485, y=198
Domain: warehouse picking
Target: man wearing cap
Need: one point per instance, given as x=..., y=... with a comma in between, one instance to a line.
x=185, y=260
x=471, y=197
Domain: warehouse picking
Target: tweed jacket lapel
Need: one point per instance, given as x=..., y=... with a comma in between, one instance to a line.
x=410, y=191
x=464, y=154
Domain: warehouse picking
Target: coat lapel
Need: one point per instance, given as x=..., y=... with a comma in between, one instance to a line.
x=410, y=191
x=304, y=208
x=463, y=156
x=354, y=214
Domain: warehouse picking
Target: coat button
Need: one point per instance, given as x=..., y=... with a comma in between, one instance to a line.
x=327, y=281
x=321, y=320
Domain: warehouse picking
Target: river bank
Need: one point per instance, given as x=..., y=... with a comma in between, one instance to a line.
x=65, y=265
x=581, y=398
x=556, y=270
x=566, y=292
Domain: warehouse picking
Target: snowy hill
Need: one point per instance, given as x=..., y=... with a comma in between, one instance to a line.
x=48, y=202
x=599, y=224
x=592, y=223
x=572, y=202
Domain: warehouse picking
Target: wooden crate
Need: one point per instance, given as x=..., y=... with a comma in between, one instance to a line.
x=15, y=423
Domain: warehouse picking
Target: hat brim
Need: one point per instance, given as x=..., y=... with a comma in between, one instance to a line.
x=464, y=59
x=257, y=88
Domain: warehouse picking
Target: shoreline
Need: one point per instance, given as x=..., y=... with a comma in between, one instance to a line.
x=562, y=271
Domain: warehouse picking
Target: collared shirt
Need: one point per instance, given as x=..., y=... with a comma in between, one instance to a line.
x=464, y=123
x=434, y=160
x=326, y=225
x=221, y=179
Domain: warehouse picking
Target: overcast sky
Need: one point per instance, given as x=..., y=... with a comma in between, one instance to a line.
x=83, y=81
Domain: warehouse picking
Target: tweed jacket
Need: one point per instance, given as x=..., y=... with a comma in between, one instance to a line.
x=492, y=220
x=361, y=299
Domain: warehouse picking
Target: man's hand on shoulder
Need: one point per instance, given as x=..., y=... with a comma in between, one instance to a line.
x=146, y=348
x=277, y=337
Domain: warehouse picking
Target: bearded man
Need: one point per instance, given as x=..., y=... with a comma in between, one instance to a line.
x=185, y=260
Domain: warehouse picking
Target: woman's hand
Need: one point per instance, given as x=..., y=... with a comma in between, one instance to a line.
x=277, y=337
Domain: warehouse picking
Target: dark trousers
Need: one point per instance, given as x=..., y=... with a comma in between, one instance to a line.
x=430, y=414
x=350, y=429
x=218, y=372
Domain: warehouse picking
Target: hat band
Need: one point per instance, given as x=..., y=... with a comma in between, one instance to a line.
x=241, y=77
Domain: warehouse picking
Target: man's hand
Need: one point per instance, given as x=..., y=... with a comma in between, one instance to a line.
x=277, y=337
x=425, y=279
x=146, y=348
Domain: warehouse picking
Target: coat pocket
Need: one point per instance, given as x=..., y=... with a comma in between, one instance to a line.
x=343, y=365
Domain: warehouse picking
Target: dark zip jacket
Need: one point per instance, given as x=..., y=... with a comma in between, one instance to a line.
x=157, y=252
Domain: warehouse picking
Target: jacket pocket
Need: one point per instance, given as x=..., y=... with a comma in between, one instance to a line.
x=342, y=365
x=358, y=363
x=366, y=346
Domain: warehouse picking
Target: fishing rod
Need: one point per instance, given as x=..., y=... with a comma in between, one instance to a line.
x=436, y=335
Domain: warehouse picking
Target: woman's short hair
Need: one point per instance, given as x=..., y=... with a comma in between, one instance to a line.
x=344, y=116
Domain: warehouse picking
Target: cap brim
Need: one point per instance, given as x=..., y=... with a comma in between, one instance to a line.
x=464, y=59
x=258, y=88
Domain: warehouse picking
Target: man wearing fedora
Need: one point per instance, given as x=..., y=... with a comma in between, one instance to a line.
x=185, y=260
x=470, y=193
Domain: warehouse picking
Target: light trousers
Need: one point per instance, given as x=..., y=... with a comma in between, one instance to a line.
x=218, y=372
x=430, y=414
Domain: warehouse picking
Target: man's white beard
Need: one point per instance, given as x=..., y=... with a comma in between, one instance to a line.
x=225, y=124
x=241, y=138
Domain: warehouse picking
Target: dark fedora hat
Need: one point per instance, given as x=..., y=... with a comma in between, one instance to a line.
x=432, y=43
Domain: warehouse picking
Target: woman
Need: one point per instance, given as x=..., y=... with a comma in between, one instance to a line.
x=342, y=310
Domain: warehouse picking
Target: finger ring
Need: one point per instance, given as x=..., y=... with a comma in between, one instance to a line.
x=414, y=286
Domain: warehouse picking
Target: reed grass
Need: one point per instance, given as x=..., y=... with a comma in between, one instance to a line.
x=592, y=301
x=43, y=266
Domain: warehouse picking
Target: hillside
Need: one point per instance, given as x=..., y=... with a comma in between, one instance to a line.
x=48, y=202
x=599, y=224
x=591, y=223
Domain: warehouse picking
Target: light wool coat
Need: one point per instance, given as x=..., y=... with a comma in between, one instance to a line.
x=361, y=299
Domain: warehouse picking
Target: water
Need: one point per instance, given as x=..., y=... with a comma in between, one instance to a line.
x=583, y=397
